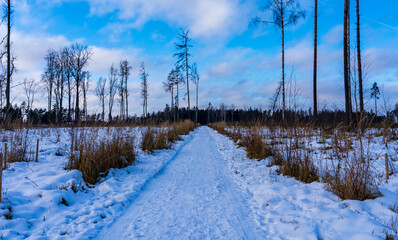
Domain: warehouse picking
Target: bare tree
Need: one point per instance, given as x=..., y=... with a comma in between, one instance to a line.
x=3, y=80
x=113, y=78
x=100, y=93
x=347, y=78
x=66, y=60
x=144, y=90
x=169, y=87
x=30, y=90
x=360, y=79
x=8, y=15
x=172, y=82
x=80, y=56
x=60, y=69
x=195, y=80
x=85, y=87
x=315, y=58
x=285, y=13
x=125, y=70
x=183, y=55
x=49, y=75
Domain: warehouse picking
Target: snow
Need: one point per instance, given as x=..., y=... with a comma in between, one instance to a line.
x=35, y=191
x=203, y=188
x=191, y=198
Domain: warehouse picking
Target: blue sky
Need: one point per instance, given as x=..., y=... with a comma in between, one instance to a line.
x=238, y=64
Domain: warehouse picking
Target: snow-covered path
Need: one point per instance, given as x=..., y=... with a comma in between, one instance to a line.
x=193, y=197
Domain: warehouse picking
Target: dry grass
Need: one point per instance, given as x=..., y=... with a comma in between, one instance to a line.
x=94, y=158
x=148, y=140
x=297, y=162
x=351, y=175
x=20, y=149
x=161, y=140
x=255, y=146
x=184, y=128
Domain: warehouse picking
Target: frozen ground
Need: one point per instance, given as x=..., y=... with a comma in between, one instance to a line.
x=204, y=188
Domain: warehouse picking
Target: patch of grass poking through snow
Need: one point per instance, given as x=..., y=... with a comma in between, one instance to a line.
x=163, y=138
x=95, y=157
x=255, y=146
x=148, y=140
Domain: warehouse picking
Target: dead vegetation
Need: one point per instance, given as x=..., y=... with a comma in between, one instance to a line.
x=342, y=159
x=94, y=156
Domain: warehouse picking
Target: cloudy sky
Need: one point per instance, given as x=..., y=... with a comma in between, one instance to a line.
x=238, y=64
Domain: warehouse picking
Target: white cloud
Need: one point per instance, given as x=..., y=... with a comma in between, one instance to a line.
x=205, y=18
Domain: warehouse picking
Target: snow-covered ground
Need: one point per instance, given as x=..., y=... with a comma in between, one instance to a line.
x=203, y=188
x=288, y=209
x=48, y=202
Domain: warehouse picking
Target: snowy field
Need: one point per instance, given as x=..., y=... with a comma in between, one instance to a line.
x=203, y=188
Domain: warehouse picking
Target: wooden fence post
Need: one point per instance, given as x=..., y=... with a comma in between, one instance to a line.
x=5, y=156
x=37, y=150
x=1, y=173
x=387, y=171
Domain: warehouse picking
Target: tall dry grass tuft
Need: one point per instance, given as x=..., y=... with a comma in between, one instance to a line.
x=297, y=162
x=94, y=157
x=351, y=177
x=184, y=128
x=161, y=140
x=165, y=136
x=254, y=144
x=148, y=140
x=20, y=149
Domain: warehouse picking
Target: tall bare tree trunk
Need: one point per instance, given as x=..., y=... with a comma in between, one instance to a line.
x=77, y=110
x=283, y=62
x=177, y=100
x=315, y=58
x=69, y=98
x=347, y=77
x=126, y=95
x=361, y=106
x=8, y=56
x=187, y=73
x=197, y=101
